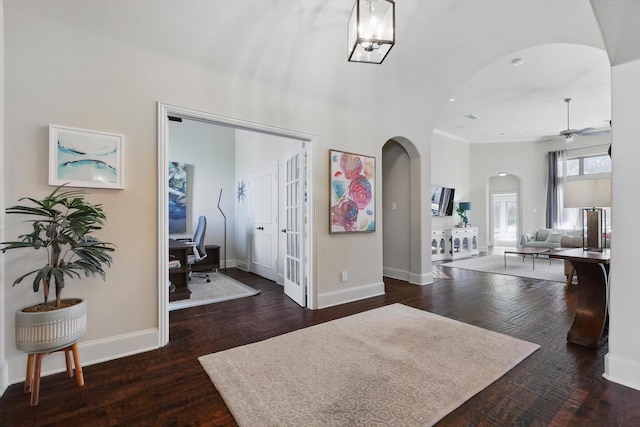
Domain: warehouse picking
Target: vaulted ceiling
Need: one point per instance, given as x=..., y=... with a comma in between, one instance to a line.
x=300, y=47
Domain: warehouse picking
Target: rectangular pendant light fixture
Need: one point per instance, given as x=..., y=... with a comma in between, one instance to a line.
x=371, y=30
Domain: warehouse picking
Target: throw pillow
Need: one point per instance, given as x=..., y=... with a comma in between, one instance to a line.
x=542, y=234
x=554, y=238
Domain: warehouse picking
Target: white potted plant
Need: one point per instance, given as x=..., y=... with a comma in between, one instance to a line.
x=62, y=224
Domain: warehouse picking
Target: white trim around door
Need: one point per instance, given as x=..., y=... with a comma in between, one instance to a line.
x=165, y=110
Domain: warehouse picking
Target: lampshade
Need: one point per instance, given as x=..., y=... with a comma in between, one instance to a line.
x=587, y=193
x=371, y=30
x=465, y=206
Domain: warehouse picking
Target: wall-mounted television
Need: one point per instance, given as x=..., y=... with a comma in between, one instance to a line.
x=442, y=200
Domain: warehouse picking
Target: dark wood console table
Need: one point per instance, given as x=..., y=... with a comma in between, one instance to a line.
x=211, y=262
x=589, y=327
x=179, y=276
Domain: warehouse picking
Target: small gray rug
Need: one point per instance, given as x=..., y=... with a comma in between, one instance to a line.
x=390, y=366
x=553, y=272
x=221, y=288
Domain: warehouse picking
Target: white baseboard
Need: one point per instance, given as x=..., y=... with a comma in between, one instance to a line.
x=229, y=263
x=622, y=371
x=407, y=276
x=349, y=295
x=91, y=352
x=4, y=376
x=421, y=279
x=395, y=273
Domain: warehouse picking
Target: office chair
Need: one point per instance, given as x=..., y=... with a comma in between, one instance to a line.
x=198, y=251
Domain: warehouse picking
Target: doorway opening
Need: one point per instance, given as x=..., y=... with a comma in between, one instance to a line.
x=255, y=134
x=404, y=249
x=505, y=219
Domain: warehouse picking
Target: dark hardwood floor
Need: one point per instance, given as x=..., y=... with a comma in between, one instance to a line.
x=560, y=384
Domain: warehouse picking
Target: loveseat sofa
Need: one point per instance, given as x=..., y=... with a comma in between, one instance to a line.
x=546, y=238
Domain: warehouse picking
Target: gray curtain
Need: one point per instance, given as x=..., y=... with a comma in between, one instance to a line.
x=556, y=174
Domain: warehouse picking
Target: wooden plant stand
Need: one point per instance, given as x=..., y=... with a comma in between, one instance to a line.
x=34, y=365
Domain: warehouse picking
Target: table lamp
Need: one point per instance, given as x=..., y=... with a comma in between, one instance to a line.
x=591, y=195
x=463, y=207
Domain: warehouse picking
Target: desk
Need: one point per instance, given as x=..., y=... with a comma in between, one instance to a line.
x=589, y=327
x=211, y=262
x=179, y=276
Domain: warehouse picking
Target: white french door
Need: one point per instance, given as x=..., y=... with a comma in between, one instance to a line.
x=294, y=282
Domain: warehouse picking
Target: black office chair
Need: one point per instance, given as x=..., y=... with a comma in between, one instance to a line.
x=198, y=251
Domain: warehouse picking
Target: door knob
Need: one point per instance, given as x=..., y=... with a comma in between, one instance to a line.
x=259, y=228
x=284, y=230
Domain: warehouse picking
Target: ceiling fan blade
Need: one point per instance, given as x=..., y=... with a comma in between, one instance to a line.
x=595, y=131
x=585, y=131
x=548, y=138
x=569, y=132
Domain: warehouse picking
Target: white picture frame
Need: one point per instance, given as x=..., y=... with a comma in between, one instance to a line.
x=85, y=158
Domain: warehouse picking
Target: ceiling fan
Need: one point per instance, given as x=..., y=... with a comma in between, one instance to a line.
x=568, y=134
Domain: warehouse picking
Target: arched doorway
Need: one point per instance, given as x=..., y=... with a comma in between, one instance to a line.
x=403, y=216
x=504, y=210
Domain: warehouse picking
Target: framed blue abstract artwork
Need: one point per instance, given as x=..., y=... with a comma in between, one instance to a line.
x=178, y=179
x=85, y=158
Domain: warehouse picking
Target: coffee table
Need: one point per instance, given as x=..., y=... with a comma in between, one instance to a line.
x=534, y=252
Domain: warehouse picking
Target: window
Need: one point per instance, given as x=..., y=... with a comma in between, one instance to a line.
x=589, y=165
x=586, y=167
x=599, y=164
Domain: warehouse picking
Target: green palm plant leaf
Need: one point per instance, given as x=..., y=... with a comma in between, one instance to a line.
x=62, y=224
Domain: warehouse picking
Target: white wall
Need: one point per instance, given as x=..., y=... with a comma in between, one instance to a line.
x=451, y=167
x=59, y=69
x=526, y=161
x=4, y=375
x=105, y=85
x=209, y=150
x=623, y=360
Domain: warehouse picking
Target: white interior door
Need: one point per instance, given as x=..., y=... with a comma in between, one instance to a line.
x=294, y=282
x=262, y=196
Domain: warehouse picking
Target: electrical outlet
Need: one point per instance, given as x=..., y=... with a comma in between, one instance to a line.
x=344, y=276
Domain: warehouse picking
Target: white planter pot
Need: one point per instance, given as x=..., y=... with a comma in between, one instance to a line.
x=46, y=331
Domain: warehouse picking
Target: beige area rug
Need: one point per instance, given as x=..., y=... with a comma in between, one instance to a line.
x=390, y=366
x=553, y=272
x=221, y=288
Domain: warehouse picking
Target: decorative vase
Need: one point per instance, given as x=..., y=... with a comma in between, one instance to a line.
x=46, y=331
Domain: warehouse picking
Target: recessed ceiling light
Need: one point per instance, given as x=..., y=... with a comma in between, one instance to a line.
x=471, y=116
x=451, y=99
x=516, y=62
x=502, y=174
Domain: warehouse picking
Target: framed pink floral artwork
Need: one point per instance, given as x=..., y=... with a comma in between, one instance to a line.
x=352, y=203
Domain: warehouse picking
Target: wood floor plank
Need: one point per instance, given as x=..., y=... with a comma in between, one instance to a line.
x=560, y=384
